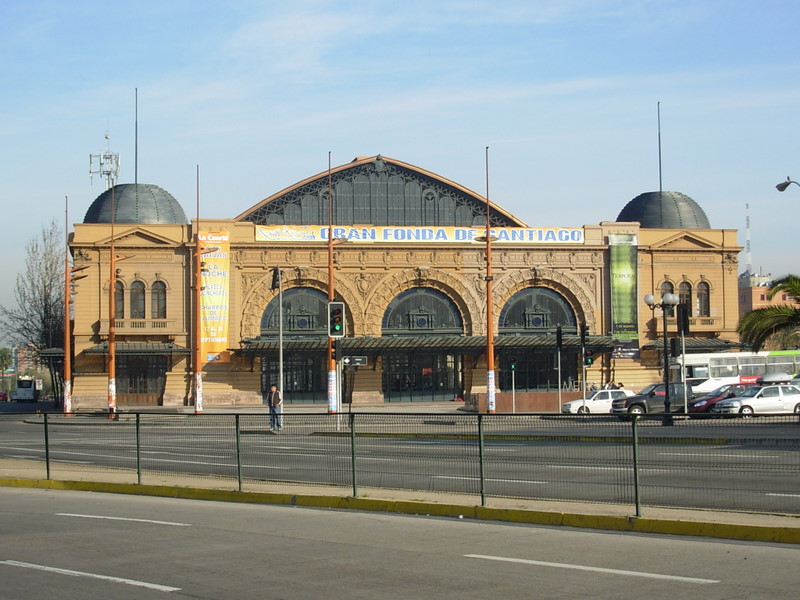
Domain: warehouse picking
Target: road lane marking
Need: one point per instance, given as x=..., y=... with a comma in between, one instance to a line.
x=123, y=519
x=593, y=569
x=784, y=495
x=144, y=584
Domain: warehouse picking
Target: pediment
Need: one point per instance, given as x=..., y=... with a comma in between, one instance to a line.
x=685, y=240
x=139, y=236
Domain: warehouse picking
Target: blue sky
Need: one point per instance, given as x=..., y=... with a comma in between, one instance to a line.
x=564, y=93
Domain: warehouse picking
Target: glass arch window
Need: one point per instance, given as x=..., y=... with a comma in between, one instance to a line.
x=422, y=311
x=158, y=300
x=119, y=300
x=305, y=314
x=703, y=299
x=137, y=300
x=381, y=193
x=537, y=310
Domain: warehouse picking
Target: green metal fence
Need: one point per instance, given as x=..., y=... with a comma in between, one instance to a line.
x=730, y=464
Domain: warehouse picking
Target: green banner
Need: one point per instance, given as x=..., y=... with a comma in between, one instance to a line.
x=623, y=248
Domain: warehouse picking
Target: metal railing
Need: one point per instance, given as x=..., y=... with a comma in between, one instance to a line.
x=728, y=464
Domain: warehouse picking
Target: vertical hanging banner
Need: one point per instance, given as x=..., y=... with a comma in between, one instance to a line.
x=214, y=296
x=623, y=249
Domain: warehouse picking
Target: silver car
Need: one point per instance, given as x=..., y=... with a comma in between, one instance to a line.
x=768, y=399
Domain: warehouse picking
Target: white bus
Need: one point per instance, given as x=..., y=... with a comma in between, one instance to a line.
x=708, y=371
x=26, y=389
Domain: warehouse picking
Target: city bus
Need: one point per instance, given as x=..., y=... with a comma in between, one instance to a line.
x=708, y=371
x=26, y=390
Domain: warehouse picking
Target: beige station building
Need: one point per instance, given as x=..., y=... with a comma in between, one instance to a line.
x=409, y=262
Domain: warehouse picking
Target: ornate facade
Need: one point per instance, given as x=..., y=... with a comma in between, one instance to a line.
x=410, y=264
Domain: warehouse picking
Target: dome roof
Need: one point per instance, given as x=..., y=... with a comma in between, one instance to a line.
x=665, y=210
x=140, y=203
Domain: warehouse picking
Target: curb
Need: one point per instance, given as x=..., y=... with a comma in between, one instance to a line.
x=753, y=533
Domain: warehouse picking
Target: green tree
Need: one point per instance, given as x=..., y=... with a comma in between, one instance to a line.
x=758, y=326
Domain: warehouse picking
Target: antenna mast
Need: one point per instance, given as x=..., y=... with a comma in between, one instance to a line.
x=660, y=187
x=105, y=164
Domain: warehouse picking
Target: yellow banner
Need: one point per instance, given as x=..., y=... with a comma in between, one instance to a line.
x=214, y=296
x=428, y=235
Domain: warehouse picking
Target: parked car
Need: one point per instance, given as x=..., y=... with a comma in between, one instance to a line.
x=767, y=399
x=597, y=402
x=3, y=396
x=651, y=400
x=702, y=404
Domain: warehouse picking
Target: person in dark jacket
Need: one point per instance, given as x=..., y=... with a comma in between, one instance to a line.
x=275, y=401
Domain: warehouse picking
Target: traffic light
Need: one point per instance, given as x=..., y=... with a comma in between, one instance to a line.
x=683, y=318
x=513, y=362
x=673, y=347
x=584, y=330
x=588, y=358
x=335, y=350
x=559, y=338
x=335, y=319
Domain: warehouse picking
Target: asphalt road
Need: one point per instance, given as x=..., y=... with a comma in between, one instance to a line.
x=96, y=546
x=714, y=466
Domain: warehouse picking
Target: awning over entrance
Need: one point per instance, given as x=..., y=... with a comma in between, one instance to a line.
x=474, y=345
x=139, y=348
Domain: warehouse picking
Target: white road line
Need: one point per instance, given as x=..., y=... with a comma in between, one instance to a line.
x=784, y=495
x=144, y=584
x=732, y=454
x=593, y=569
x=493, y=479
x=124, y=519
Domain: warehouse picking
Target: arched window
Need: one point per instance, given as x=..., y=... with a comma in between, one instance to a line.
x=137, y=300
x=421, y=311
x=667, y=288
x=158, y=300
x=685, y=295
x=537, y=310
x=703, y=299
x=119, y=300
x=305, y=313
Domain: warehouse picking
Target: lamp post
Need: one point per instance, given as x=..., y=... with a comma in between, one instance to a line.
x=490, y=380
x=668, y=302
x=781, y=187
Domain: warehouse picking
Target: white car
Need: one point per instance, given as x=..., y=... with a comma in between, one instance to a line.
x=768, y=399
x=598, y=402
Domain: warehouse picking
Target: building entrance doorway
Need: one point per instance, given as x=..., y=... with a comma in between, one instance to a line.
x=422, y=377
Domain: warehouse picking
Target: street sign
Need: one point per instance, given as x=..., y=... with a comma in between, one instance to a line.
x=355, y=361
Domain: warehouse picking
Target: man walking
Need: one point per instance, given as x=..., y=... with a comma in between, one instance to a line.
x=275, y=401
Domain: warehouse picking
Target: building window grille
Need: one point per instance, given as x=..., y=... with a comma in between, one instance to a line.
x=137, y=300
x=703, y=300
x=158, y=300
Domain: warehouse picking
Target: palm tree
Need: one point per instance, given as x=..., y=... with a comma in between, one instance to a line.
x=756, y=327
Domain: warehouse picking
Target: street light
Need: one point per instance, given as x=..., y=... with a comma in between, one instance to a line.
x=781, y=187
x=668, y=302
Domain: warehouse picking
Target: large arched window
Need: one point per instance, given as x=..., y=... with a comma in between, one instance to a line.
x=158, y=300
x=119, y=300
x=667, y=288
x=703, y=299
x=305, y=314
x=422, y=311
x=685, y=295
x=137, y=300
x=536, y=310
